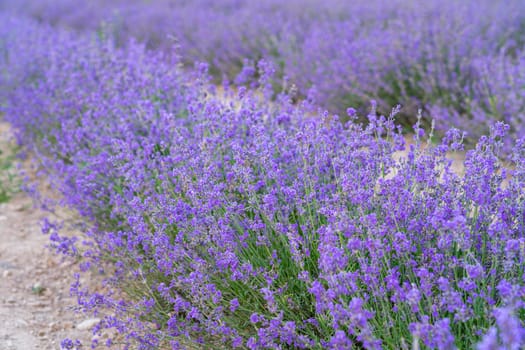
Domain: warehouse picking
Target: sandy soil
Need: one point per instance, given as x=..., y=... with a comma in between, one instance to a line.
x=36, y=309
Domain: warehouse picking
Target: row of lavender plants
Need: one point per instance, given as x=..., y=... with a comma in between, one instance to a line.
x=225, y=221
x=461, y=62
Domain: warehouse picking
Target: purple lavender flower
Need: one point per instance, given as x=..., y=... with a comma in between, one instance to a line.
x=235, y=221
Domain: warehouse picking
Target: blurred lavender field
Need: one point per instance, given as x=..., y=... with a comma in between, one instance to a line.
x=246, y=216
x=460, y=62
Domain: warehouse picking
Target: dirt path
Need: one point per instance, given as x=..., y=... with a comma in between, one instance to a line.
x=36, y=310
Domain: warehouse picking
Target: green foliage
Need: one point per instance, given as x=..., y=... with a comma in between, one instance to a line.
x=9, y=183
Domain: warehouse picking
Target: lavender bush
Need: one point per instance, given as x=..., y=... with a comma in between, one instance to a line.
x=224, y=221
x=460, y=62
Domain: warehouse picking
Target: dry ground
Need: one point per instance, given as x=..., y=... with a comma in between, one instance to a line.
x=36, y=309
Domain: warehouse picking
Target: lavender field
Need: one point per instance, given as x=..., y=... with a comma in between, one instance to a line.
x=278, y=175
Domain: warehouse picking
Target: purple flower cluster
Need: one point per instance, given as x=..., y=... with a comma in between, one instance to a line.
x=226, y=221
x=461, y=62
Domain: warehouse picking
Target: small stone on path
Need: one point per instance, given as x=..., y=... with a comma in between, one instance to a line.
x=88, y=324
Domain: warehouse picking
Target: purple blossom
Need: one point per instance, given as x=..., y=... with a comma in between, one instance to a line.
x=258, y=224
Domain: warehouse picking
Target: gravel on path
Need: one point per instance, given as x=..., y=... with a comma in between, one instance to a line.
x=36, y=309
